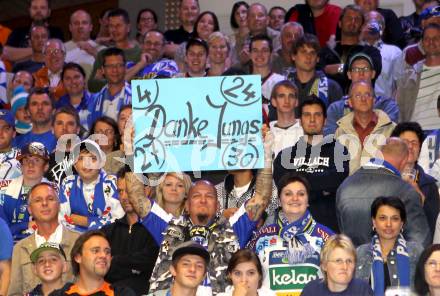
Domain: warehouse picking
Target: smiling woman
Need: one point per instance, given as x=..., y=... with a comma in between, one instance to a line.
x=290, y=242
x=389, y=260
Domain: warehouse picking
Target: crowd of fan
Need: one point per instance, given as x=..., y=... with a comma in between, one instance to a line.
x=347, y=202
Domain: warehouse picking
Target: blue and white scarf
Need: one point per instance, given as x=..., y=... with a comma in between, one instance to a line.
x=296, y=235
x=377, y=268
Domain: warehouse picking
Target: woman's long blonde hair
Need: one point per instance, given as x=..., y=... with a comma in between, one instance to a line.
x=159, y=190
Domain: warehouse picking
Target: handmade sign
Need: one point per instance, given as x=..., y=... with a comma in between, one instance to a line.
x=197, y=124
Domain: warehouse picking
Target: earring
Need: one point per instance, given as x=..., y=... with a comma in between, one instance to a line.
x=373, y=228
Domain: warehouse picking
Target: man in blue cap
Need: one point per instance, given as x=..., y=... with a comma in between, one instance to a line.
x=9, y=166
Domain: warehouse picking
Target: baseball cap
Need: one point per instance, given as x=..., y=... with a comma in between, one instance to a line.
x=47, y=246
x=191, y=248
x=7, y=116
x=430, y=12
x=360, y=55
x=90, y=146
x=34, y=149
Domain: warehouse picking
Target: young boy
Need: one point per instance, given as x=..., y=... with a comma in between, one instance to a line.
x=48, y=264
x=89, y=199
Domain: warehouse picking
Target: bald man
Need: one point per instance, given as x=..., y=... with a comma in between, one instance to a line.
x=380, y=177
x=81, y=49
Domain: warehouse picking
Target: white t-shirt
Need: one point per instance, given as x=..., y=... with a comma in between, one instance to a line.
x=425, y=109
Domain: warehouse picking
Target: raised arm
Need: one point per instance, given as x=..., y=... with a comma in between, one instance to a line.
x=263, y=186
x=136, y=194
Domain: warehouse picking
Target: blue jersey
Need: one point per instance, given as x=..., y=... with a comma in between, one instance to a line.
x=103, y=104
x=83, y=108
x=47, y=139
x=6, y=244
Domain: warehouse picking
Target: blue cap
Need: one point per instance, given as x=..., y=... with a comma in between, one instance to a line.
x=430, y=12
x=7, y=116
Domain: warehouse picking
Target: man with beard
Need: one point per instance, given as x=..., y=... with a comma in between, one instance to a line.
x=335, y=54
x=322, y=160
x=91, y=258
x=40, y=105
x=18, y=45
x=152, y=63
x=317, y=17
x=134, y=251
x=220, y=236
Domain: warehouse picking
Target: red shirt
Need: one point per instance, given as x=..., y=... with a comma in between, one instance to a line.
x=325, y=24
x=364, y=132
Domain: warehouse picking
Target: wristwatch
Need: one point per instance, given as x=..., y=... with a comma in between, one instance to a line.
x=341, y=68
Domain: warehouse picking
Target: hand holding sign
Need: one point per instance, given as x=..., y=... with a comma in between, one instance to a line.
x=195, y=124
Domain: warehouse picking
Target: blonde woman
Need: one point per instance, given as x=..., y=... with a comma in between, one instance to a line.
x=338, y=260
x=219, y=51
x=171, y=193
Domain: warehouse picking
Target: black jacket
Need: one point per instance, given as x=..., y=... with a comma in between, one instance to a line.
x=429, y=188
x=325, y=171
x=393, y=33
x=134, y=255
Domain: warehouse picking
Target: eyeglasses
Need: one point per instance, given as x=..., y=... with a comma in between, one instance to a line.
x=146, y=19
x=154, y=44
x=432, y=264
x=107, y=132
x=33, y=161
x=340, y=262
x=54, y=51
x=362, y=96
x=360, y=69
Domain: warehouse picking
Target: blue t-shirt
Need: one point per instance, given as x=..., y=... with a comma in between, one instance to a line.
x=47, y=139
x=319, y=287
x=6, y=244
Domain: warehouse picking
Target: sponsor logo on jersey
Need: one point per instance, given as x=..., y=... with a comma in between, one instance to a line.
x=292, y=278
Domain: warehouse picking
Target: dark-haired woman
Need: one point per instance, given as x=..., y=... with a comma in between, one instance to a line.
x=77, y=96
x=291, y=240
x=105, y=132
x=246, y=275
x=238, y=21
x=205, y=25
x=389, y=260
x=427, y=279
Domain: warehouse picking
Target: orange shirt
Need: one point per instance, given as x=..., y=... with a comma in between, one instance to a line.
x=105, y=288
